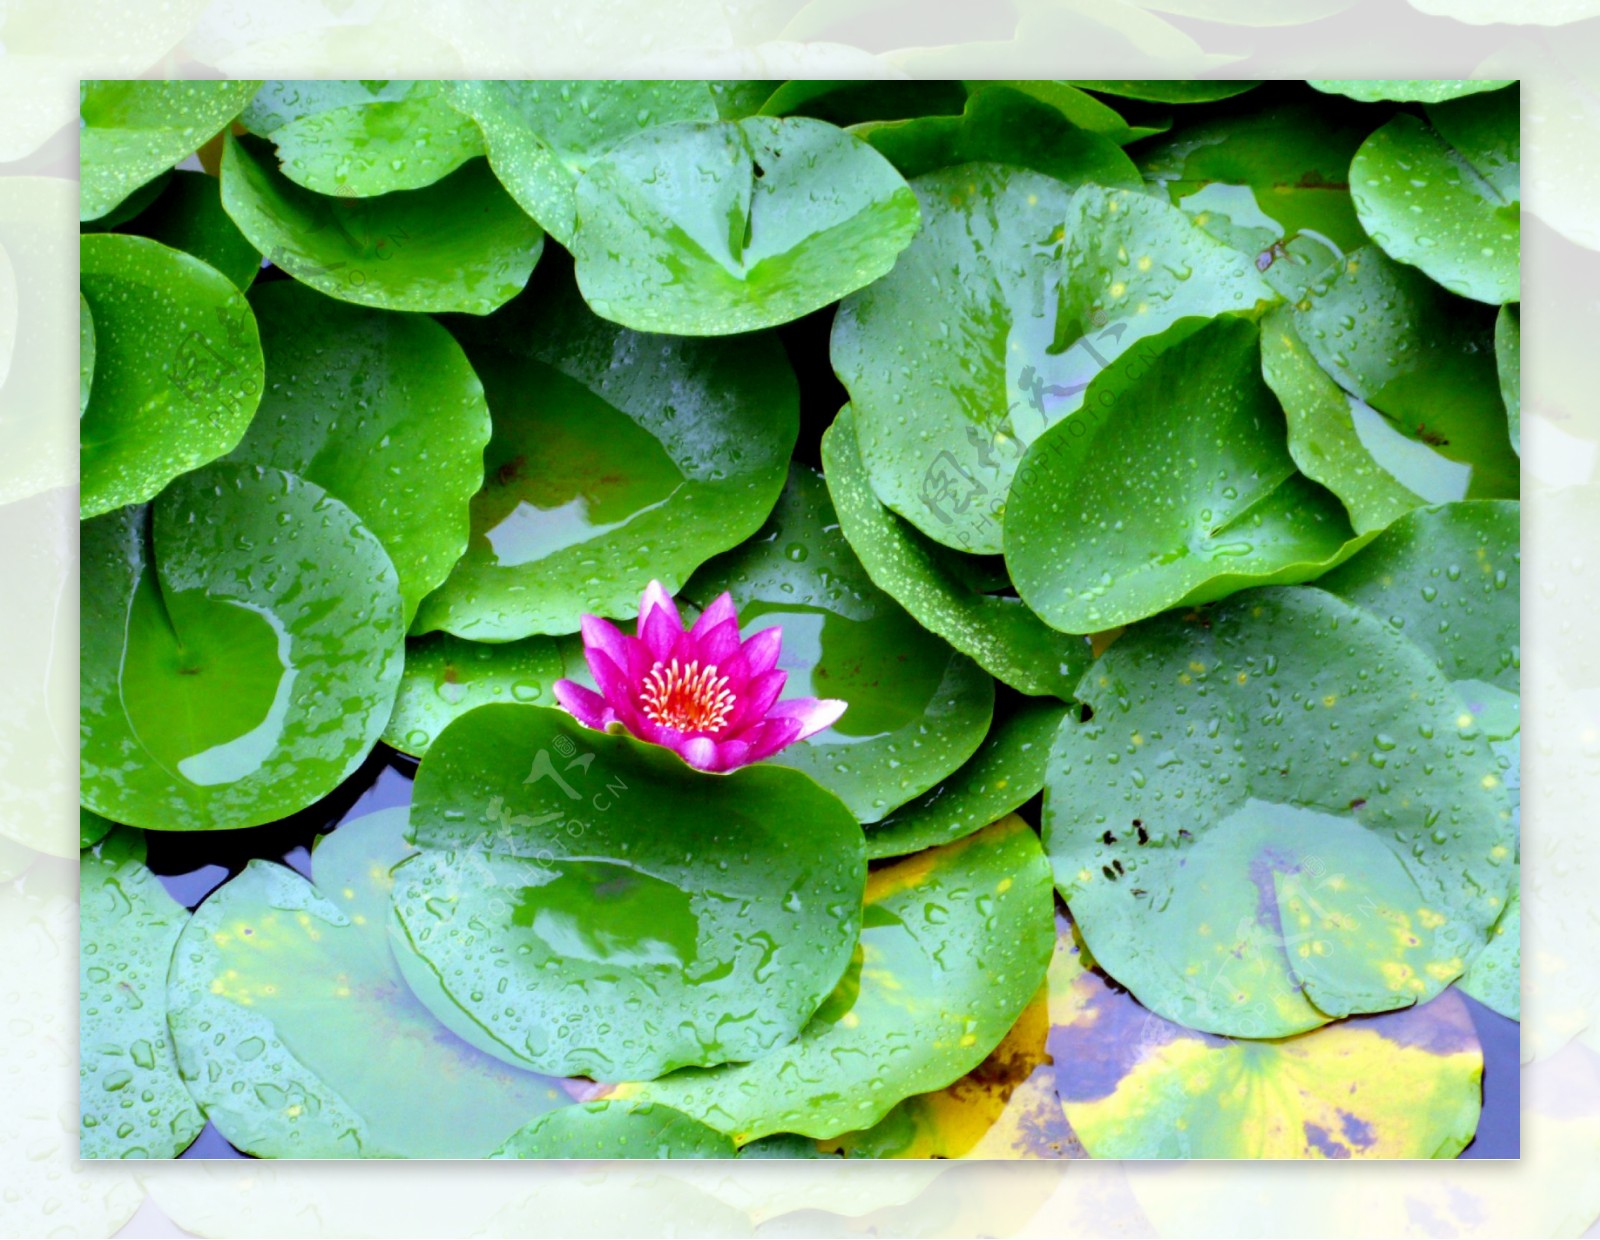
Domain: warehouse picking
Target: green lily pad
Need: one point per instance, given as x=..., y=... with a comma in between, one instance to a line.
x=1446, y=196
x=1274, y=818
x=1421, y=90
x=381, y=409
x=92, y=828
x=1174, y=485
x=188, y=216
x=855, y=101
x=707, y=229
x=283, y=101
x=917, y=709
x=617, y=459
x=298, y=1035
x=1494, y=979
x=704, y=917
x=178, y=369
x=85, y=354
x=404, y=136
x=1325, y=439
x=1161, y=90
x=1405, y=1084
x=131, y=132
x=1508, y=361
x=242, y=643
x=1042, y=288
x=133, y=1103
x=609, y=1129
x=1077, y=106
x=1273, y=184
x=932, y=582
x=954, y=943
x=1450, y=579
x=589, y=904
x=542, y=136
x=459, y=244
x=445, y=677
x=1007, y=770
x=1004, y=126
x=1420, y=357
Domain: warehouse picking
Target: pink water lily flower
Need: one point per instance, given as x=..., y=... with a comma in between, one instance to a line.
x=704, y=694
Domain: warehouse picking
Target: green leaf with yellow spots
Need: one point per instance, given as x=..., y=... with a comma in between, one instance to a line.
x=133, y=1102
x=1403, y=1084
x=1275, y=817
x=615, y=1129
x=298, y=1035
x=954, y=944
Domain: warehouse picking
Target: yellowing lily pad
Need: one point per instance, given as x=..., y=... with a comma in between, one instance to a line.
x=298, y=1035
x=1401, y=1085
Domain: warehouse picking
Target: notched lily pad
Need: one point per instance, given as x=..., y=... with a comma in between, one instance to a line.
x=729, y=226
x=1007, y=770
x=543, y=135
x=1276, y=817
x=459, y=244
x=917, y=709
x=588, y=904
x=1174, y=485
x=178, y=370
x=954, y=943
x=937, y=586
x=446, y=676
x=1445, y=196
x=1401, y=1085
x=381, y=409
x=133, y=1103
x=132, y=131
x=242, y=642
x=298, y=1035
x=617, y=459
x=188, y=216
x=609, y=1129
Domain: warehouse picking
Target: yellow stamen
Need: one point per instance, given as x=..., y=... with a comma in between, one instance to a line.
x=689, y=699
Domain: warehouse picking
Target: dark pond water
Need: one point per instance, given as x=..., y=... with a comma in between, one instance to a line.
x=191, y=865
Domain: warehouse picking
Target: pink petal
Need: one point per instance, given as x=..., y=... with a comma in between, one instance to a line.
x=660, y=629
x=656, y=598
x=762, y=649
x=584, y=705
x=615, y=688
x=606, y=637
x=732, y=754
x=720, y=612
x=769, y=736
x=699, y=751
x=758, y=696
x=718, y=644
x=814, y=714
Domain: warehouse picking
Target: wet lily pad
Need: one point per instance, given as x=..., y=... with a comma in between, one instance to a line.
x=1494, y=979
x=1508, y=360
x=188, y=216
x=1325, y=437
x=609, y=1129
x=917, y=708
x=85, y=354
x=1401, y=90
x=92, y=828
x=242, y=643
x=1401, y=1085
x=1421, y=358
x=381, y=409
x=298, y=1035
x=954, y=943
x=1275, y=817
x=706, y=229
x=1445, y=196
x=1042, y=288
x=1006, y=1107
x=589, y=904
x=542, y=136
x=934, y=584
x=459, y=244
x=1077, y=106
x=177, y=368
x=360, y=143
x=1173, y=486
x=445, y=677
x=1003, y=125
x=617, y=459
x=133, y=1102
x=130, y=132
x=1007, y=770
x=1160, y=90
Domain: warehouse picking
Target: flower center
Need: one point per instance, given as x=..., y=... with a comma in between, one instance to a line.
x=690, y=699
